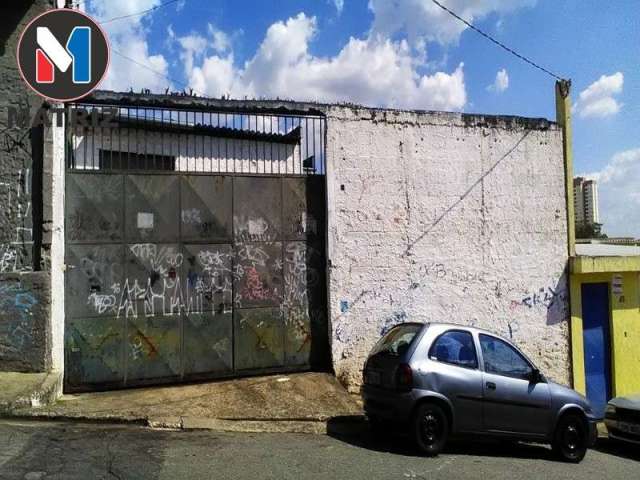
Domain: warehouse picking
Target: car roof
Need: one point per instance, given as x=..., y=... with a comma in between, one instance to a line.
x=446, y=325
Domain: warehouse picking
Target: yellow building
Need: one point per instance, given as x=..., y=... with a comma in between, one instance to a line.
x=605, y=320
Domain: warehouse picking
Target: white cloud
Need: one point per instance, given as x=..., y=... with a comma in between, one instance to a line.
x=129, y=37
x=221, y=41
x=373, y=71
x=619, y=194
x=193, y=46
x=597, y=100
x=501, y=83
x=423, y=19
x=339, y=4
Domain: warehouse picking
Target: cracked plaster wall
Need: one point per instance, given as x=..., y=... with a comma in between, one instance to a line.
x=449, y=218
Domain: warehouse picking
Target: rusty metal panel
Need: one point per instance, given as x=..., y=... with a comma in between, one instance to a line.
x=208, y=345
x=258, y=275
x=303, y=275
x=306, y=337
x=257, y=209
x=153, y=348
x=151, y=208
x=94, y=208
x=303, y=208
x=94, y=351
x=258, y=338
x=298, y=338
x=218, y=275
x=94, y=277
x=207, y=278
x=205, y=208
x=304, y=302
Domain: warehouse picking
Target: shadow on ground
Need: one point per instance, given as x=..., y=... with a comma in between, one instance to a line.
x=355, y=431
x=619, y=449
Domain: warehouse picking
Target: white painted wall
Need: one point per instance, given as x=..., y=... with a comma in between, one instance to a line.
x=57, y=249
x=440, y=217
x=193, y=153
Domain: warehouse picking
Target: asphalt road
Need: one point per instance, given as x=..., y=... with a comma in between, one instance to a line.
x=32, y=451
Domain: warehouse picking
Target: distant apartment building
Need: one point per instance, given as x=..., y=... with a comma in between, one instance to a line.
x=585, y=198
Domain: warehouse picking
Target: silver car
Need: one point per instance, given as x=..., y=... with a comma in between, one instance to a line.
x=622, y=418
x=443, y=379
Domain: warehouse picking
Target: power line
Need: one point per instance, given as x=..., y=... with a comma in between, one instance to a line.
x=160, y=74
x=169, y=2
x=500, y=44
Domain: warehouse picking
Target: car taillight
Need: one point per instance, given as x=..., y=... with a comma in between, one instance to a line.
x=404, y=377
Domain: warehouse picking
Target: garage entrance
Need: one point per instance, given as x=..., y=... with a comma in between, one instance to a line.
x=195, y=246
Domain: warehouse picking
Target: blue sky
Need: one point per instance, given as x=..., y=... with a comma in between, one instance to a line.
x=407, y=54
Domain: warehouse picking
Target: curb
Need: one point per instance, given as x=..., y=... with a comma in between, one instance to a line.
x=345, y=425
x=337, y=425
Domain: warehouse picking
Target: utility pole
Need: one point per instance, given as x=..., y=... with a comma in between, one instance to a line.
x=563, y=117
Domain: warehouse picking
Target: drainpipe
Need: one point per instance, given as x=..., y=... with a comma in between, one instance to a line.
x=563, y=118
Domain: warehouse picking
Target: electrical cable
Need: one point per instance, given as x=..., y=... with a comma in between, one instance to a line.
x=497, y=42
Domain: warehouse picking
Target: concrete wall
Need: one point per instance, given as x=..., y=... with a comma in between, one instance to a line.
x=450, y=218
x=25, y=210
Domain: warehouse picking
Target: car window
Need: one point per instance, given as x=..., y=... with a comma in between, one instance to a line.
x=397, y=339
x=502, y=359
x=455, y=347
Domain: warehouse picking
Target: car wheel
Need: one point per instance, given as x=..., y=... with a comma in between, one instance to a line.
x=570, y=439
x=430, y=428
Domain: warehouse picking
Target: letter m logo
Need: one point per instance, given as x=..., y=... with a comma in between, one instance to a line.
x=51, y=53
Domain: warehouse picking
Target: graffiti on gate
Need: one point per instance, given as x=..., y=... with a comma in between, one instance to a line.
x=302, y=273
x=302, y=282
x=158, y=288
x=249, y=229
x=254, y=288
x=161, y=280
x=258, y=275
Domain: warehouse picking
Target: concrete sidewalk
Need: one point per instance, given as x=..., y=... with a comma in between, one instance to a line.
x=301, y=402
x=25, y=390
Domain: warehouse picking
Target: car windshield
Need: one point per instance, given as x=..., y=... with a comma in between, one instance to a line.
x=396, y=340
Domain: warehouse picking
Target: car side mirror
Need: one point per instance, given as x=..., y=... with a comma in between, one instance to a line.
x=535, y=376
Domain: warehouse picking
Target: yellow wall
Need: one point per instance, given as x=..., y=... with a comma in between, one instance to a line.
x=624, y=327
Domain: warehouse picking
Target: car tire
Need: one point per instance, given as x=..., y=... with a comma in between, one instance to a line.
x=571, y=438
x=430, y=428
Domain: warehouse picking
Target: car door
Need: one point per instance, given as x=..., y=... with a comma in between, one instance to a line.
x=454, y=372
x=512, y=402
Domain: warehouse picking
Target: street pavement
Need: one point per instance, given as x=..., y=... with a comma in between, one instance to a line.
x=47, y=450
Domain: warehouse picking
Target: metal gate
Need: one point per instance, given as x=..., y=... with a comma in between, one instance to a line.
x=194, y=246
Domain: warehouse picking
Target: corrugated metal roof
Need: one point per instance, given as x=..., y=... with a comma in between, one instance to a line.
x=605, y=250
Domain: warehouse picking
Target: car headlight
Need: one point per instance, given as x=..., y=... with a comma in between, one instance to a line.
x=610, y=411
